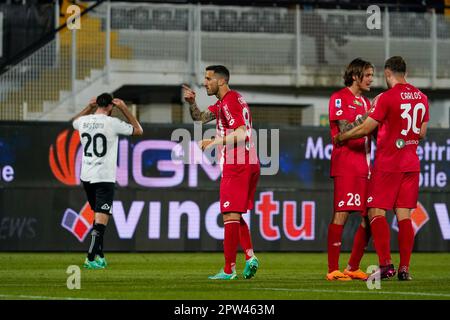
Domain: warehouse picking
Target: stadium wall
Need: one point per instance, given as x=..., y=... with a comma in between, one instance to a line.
x=167, y=205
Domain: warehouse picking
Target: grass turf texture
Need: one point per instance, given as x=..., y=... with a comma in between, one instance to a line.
x=185, y=276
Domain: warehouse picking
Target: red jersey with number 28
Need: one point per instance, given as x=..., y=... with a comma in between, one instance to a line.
x=400, y=111
x=232, y=112
x=352, y=158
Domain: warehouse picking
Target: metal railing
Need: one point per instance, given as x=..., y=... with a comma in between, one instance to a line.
x=56, y=71
x=304, y=46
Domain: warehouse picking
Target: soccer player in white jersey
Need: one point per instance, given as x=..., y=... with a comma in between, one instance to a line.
x=99, y=138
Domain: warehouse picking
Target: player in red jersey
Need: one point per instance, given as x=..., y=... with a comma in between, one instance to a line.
x=401, y=115
x=349, y=168
x=238, y=161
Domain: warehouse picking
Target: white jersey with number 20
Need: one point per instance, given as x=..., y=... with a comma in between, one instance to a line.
x=99, y=139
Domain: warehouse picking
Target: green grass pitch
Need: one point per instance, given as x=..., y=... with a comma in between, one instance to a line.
x=184, y=276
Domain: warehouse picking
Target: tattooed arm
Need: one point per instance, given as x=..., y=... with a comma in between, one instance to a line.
x=203, y=116
x=196, y=114
x=345, y=126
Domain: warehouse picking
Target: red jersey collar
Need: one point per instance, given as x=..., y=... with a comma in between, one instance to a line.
x=225, y=95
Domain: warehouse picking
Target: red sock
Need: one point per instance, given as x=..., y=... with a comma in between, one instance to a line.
x=360, y=243
x=230, y=244
x=381, y=239
x=246, y=240
x=334, y=246
x=405, y=241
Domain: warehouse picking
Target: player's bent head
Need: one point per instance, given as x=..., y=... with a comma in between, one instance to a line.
x=355, y=71
x=104, y=100
x=220, y=71
x=396, y=64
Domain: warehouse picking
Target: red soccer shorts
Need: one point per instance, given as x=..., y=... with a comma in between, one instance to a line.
x=388, y=190
x=238, y=187
x=350, y=194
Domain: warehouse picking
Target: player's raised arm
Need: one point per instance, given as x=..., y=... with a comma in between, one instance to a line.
x=196, y=114
x=137, y=129
x=90, y=108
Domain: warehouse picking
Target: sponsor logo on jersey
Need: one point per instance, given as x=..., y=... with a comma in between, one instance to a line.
x=340, y=112
x=242, y=102
x=338, y=103
x=62, y=157
x=357, y=102
x=350, y=106
x=228, y=115
x=400, y=143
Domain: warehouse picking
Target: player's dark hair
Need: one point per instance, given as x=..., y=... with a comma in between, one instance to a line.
x=104, y=100
x=220, y=70
x=356, y=68
x=396, y=64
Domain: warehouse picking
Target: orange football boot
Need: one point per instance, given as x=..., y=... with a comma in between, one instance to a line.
x=356, y=275
x=337, y=275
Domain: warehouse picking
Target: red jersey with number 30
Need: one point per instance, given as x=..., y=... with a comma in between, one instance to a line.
x=400, y=111
x=231, y=113
x=352, y=158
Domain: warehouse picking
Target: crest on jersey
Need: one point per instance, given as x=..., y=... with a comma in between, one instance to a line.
x=357, y=102
x=338, y=103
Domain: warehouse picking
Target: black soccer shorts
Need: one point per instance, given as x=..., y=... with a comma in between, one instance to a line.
x=100, y=196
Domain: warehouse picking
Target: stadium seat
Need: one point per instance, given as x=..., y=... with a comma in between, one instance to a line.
x=336, y=25
x=209, y=20
x=443, y=28
x=162, y=19
x=228, y=20
x=271, y=21
x=141, y=19
x=249, y=21
x=181, y=19
x=119, y=18
x=357, y=25
x=421, y=26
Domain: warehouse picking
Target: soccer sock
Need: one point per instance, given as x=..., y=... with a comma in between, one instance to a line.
x=100, y=248
x=334, y=246
x=381, y=239
x=245, y=239
x=230, y=244
x=96, y=240
x=360, y=243
x=405, y=241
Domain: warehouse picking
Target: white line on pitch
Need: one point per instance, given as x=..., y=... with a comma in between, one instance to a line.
x=357, y=291
x=20, y=296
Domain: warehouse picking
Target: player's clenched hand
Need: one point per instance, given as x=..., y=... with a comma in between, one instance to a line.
x=188, y=94
x=93, y=102
x=119, y=103
x=337, y=141
x=206, y=143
